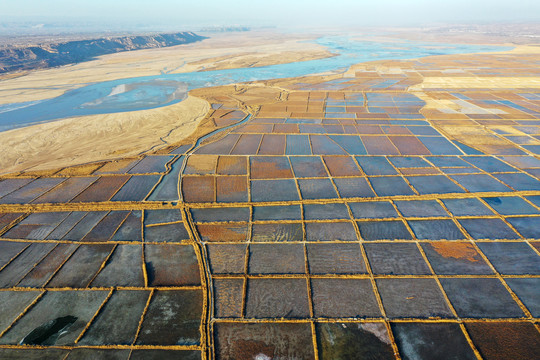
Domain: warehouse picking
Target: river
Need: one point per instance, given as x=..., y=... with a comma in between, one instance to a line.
x=149, y=92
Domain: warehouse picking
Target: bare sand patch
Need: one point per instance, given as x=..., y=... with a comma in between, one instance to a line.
x=99, y=137
x=260, y=59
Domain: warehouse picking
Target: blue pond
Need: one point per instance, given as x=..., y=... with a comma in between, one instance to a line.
x=155, y=91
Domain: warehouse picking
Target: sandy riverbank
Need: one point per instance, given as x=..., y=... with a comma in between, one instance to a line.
x=98, y=137
x=221, y=51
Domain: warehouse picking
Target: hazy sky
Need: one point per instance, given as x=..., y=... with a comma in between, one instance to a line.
x=292, y=13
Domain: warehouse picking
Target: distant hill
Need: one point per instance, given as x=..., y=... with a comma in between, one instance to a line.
x=69, y=52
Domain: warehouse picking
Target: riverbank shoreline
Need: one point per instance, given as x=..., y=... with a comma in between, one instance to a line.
x=93, y=138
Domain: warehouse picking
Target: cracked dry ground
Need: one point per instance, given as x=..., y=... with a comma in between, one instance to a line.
x=342, y=218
